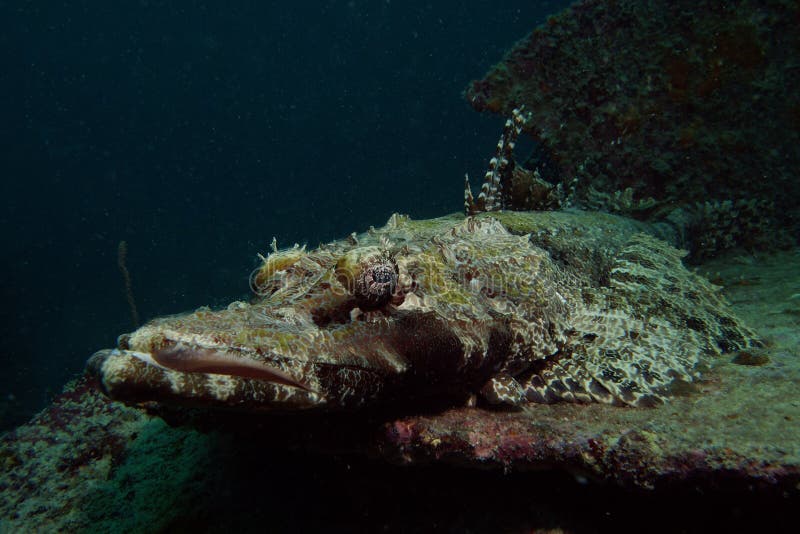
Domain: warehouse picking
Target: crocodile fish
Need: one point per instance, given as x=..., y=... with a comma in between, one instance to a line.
x=507, y=306
x=512, y=306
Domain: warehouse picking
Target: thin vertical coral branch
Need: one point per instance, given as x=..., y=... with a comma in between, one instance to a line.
x=122, y=258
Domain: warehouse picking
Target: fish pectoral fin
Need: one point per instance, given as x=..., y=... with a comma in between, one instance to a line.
x=503, y=390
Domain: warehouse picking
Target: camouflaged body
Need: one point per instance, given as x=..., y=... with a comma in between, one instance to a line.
x=518, y=306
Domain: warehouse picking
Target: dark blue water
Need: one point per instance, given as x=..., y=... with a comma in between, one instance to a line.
x=196, y=131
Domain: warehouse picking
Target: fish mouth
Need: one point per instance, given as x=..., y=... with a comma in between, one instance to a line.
x=188, y=359
x=196, y=376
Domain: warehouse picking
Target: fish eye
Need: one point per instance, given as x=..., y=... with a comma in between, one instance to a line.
x=376, y=283
x=384, y=275
x=370, y=276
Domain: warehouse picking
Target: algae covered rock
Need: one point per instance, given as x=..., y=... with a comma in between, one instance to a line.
x=672, y=104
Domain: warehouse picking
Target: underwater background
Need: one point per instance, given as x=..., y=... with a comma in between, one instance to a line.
x=197, y=131
x=150, y=149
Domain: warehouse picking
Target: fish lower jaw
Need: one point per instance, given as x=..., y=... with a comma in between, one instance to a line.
x=137, y=377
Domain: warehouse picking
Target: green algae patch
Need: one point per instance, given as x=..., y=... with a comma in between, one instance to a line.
x=88, y=464
x=155, y=485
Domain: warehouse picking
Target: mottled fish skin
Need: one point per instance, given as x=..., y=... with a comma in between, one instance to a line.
x=517, y=306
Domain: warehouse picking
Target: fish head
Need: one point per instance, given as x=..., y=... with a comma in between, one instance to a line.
x=375, y=316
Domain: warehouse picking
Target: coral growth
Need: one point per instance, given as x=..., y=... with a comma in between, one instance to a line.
x=678, y=102
x=83, y=461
